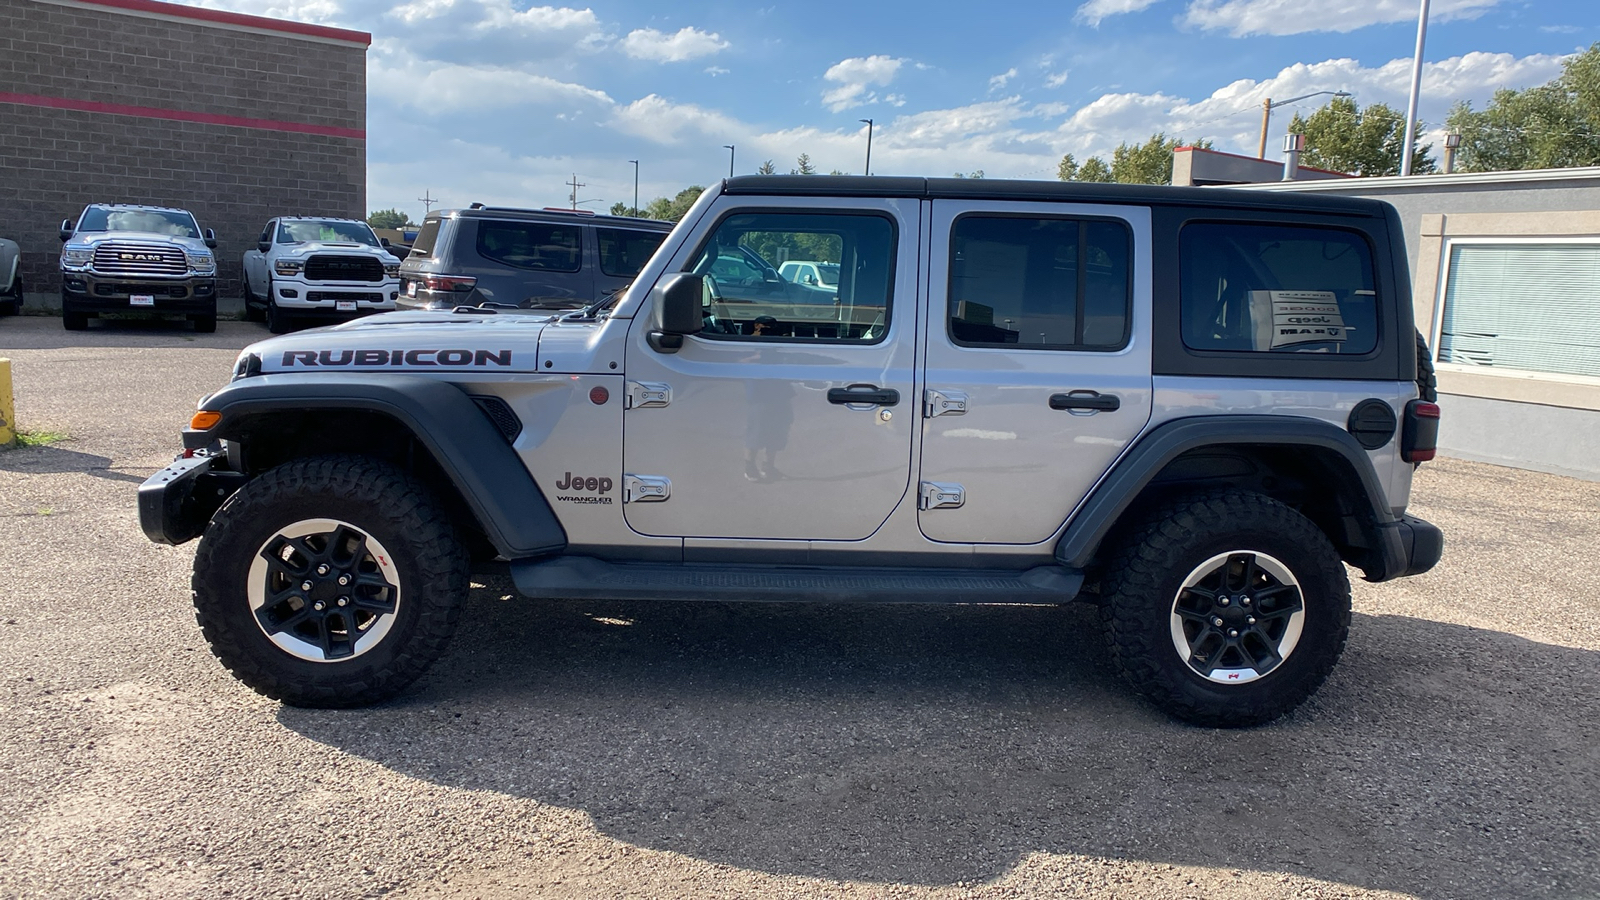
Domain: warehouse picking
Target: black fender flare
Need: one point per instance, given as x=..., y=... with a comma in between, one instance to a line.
x=487, y=472
x=1111, y=497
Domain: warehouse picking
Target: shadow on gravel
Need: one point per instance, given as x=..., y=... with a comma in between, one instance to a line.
x=49, y=460
x=932, y=745
x=46, y=333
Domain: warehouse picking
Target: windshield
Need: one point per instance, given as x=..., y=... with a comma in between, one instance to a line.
x=149, y=221
x=297, y=232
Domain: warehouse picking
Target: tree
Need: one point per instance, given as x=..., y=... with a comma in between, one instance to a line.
x=673, y=210
x=389, y=218
x=620, y=209
x=1552, y=126
x=804, y=166
x=1149, y=162
x=975, y=173
x=767, y=168
x=1346, y=138
x=1093, y=169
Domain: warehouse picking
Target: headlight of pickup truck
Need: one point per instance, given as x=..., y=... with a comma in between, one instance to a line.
x=76, y=257
x=288, y=266
x=202, y=263
x=391, y=270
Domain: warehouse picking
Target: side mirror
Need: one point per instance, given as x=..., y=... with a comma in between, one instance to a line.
x=66, y=230
x=384, y=243
x=677, y=309
x=264, y=246
x=211, y=239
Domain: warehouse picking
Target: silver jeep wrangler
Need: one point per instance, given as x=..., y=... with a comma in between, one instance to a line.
x=1192, y=407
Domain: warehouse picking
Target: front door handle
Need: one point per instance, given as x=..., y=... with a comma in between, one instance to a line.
x=864, y=393
x=1086, y=400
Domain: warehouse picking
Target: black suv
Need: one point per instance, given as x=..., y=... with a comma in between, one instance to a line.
x=528, y=258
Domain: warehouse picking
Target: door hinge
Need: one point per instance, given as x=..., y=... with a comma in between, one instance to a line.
x=943, y=403
x=941, y=495
x=643, y=394
x=645, y=488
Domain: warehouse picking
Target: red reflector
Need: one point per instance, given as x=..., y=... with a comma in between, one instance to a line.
x=1425, y=409
x=1417, y=456
x=449, y=282
x=599, y=395
x=188, y=453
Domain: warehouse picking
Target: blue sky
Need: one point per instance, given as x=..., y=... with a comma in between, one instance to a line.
x=501, y=101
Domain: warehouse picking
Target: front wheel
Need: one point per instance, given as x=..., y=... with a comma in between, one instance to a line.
x=277, y=321
x=332, y=581
x=1227, y=609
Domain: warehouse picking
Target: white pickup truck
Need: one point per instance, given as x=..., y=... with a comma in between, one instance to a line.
x=318, y=268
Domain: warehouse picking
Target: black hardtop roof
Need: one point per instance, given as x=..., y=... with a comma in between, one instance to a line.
x=551, y=215
x=1060, y=191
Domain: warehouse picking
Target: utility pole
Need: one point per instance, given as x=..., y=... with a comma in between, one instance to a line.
x=427, y=201
x=1416, y=90
x=729, y=148
x=868, y=169
x=635, y=210
x=1268, y=105
x=575, y=184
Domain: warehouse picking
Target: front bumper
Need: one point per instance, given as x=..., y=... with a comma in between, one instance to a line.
x=89, y=292
x=324, y=298
x=176, y=503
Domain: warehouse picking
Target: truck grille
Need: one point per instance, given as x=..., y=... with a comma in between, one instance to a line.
x=111, y=289
x=344, y=268
x=371, y=296
x=127, y=258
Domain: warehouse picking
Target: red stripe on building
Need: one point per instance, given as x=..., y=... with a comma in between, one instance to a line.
x=219, y=17
x=179, y=115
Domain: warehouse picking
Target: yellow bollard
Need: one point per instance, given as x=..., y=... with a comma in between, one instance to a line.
x=8, y=406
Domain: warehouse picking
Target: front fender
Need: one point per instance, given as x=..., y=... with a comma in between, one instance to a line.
x=485, y=470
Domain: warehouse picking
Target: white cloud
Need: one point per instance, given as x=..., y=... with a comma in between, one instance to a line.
x=1246, y=17
x=856, y=77
x=1055, y=79
x=999, y=81
x=714, y=71
x=685, y=44
x=1095, y=11
x=431, y=86
x=658, y=119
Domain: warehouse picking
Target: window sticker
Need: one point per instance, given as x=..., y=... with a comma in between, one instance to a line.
x=1286, y=318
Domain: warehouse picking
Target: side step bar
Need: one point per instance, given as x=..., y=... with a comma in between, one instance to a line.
x=586, y=578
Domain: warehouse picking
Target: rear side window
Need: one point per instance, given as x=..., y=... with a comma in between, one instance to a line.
x=624, y=251
x=1039, y=283
x=1277, y=289
x=531, y=245
x=423, y=245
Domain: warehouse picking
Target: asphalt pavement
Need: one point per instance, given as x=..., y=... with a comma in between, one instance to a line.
x=680, y=750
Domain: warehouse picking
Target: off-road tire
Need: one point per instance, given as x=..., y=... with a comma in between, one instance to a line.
x=1427, y=380
x=204, y=324
x=74, y=321
x=277, y=321
x=251, y=314
x=1142, y=582
x=386, y=503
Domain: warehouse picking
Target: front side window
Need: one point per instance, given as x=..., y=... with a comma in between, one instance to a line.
x=292, y=231
x=624, y=251
x=149, y=221
x=1276, y=288
x=1039, y=283
x=748, y=297
x=531, y=245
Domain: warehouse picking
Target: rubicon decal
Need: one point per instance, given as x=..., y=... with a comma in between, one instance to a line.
x=369, y=358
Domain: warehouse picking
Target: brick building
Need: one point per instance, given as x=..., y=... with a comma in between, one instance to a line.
x=236, y=118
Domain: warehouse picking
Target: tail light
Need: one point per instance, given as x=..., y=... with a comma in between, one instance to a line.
x=461, y=283
x=1419, y=434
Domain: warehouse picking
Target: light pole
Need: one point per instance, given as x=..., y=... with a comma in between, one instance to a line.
x=729, y=148
x=1416, y=90
x=635, y=210
x=1268, y=105
x=868, y=169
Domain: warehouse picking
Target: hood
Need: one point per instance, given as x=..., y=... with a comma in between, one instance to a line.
x=415, y=342
x=93, y=238
x=343, y=248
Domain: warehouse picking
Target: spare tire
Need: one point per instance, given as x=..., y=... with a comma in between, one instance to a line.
x=1427, y=381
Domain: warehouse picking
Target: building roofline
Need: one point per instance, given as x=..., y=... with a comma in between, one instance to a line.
x=1258, y=160
x=219, y=18
x=1577, y=173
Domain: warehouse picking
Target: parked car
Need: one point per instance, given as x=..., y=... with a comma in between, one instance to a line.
x=1189, y=407
x=10, y=278
x=529, y=258
x=121, y=257
x=811, y=272
x=317, y=268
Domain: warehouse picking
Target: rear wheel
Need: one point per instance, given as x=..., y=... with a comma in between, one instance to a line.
x=1227, y=609
x=251, y=313
x=329, y=582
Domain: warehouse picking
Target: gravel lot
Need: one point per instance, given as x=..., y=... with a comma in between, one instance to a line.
x=681, y=750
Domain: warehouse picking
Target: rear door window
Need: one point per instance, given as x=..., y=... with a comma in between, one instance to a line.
x=1277, y=289
x=531, y=245
x=624, y=251
x=423, y=245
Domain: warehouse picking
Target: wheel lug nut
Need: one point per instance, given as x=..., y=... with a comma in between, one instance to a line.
x=1223, y=602
x=1232, y=633
x=344, y=601
x=1217, y=621
x=305, y=585
x=319, y=606
x=322, y=569
x=1249, y=620
x=344, y=579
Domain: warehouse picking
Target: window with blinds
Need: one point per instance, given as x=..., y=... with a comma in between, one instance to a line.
x=1534, y=307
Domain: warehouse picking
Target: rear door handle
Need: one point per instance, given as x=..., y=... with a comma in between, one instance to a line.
x=1086, y=400
x=864, y=393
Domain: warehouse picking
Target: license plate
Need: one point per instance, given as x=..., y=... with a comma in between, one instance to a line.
x=142, y=300
x=344, y=305
x=411, y=289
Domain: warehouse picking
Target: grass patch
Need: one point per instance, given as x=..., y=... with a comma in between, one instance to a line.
x=40, y=438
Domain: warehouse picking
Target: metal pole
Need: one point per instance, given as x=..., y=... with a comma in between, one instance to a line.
x=730, y=159
x=635, y=210
x=1266, y=116
x=1416, y=89
x=868, y=169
